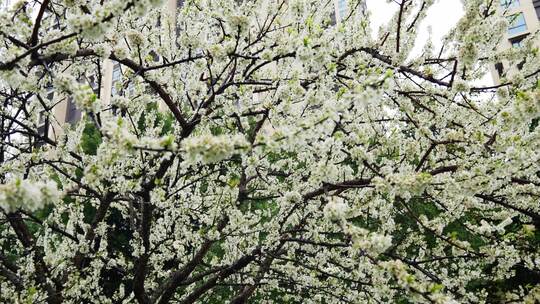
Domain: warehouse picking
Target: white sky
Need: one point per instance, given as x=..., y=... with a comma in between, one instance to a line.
x=441, y=17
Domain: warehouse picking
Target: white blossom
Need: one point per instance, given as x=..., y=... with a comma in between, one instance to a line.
x=27, y=195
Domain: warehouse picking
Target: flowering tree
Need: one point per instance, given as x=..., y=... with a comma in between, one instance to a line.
x=257, y=152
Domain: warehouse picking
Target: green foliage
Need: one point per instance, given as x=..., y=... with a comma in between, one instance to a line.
x=89, y=212
x=90, y=139
x=165, y=120
x=216, y=130
x=120, y=233
x=457, y=230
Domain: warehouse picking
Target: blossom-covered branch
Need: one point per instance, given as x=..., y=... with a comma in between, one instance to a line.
x=264, y=151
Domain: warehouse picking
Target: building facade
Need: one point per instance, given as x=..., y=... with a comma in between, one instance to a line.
x=523, y=19
x=65, y=112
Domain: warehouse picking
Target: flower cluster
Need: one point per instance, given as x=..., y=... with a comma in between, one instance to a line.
x=211, y=148
x=28, y=195
x=255, y=151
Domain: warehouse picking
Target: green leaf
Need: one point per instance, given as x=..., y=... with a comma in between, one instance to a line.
x=90, y=139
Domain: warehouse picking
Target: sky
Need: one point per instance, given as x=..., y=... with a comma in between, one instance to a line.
x=441, y=17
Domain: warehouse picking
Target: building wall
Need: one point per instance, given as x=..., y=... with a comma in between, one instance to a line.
x=108, y=81
x=531, y=14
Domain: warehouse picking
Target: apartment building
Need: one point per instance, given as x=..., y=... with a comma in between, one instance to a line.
x=523, y=18
x=66, y=111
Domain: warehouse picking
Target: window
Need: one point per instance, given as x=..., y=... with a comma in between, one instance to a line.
x=42, y=117
x=92, y=81
x=50, y=92
x=342, y=9
x=516, y=24
x=517, y=42
x=521, y=64
x=42, y=128
x=506, y=4
x=536, y=4
x=499, y=68
x=72, y=113
x=333, y=18
x=116, y=77
x=120, y=86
